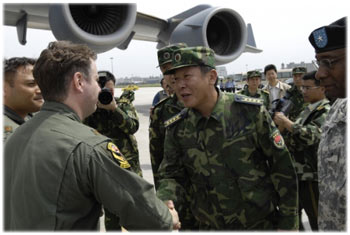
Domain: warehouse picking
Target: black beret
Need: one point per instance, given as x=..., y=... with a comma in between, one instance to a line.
x=329, y=38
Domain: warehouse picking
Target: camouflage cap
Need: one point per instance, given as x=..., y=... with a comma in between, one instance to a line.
x=298, y=70
x=192, y=56
x=253, y=73
x=165, y=53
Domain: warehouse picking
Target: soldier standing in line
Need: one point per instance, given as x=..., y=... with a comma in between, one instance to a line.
x=58, y=171
x=227, y=151
x=164, y=110
x=252, y=89
x=295, y=93
x=305, y=135
x=117, y=120
x=330, y=48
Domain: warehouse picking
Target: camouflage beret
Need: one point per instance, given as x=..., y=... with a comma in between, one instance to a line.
x=192, y=56
x=328, y=38
x=165, y=53
x=298, y=70
x=253, y=73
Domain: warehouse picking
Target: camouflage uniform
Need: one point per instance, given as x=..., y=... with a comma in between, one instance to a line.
x=332, y=170
x=298, y=103
x=262, y=94
x=233, y=164
x=163, y=111
x=305, y=137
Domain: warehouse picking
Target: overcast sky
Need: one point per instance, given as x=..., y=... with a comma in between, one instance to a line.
x=281, y=29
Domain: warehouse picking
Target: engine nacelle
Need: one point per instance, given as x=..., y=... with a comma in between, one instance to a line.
x=221, y=29
x=101, y=27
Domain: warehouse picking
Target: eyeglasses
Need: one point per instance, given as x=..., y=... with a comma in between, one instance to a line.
x=306, y=88
x=328, y=63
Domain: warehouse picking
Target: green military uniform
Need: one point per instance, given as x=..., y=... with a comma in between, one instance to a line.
x=11, y=121
x=164, y=110
x=59, y=173
x=261, y=94
x=233, y=164
x=305, y=138
x=296, y=97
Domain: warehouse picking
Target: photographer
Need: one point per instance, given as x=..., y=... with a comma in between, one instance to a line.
x=117, y=120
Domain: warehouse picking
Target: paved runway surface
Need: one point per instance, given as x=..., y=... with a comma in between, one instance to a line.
x=142, y=103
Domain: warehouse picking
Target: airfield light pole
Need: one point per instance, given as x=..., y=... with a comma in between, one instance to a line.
x=112, y=64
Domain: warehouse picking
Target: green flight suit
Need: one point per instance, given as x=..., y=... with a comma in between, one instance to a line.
x=305, y=138
x=234, y=166
x=59, y=172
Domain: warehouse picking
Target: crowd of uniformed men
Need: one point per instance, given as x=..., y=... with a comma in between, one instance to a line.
x=220, y=160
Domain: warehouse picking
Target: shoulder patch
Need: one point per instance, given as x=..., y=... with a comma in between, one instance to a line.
x=123, y=163
x=175, y=118
x=278, y=140
x=8, y=129
x=248, y=100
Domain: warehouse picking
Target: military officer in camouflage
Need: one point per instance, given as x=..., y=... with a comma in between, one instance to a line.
x=164, y=110
x=227, y=152
x=252, y=88
x=330, y=49
x=295, y=93
x=58, y=171
x=305, y=135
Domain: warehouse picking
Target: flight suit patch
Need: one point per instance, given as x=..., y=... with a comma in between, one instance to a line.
x=8, y=129
x=118, y=155
x=278, y=140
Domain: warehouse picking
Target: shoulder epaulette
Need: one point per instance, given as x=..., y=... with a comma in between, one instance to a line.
x=175, y=118
x=123, y=100
x=248, y=100
x=320, y=107
x=266, y=91
x=162, y=101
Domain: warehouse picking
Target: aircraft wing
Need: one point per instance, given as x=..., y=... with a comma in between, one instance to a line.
x=105, y=26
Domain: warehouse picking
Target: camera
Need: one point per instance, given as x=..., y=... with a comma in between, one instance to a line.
x=283, y=105
x=105, y=96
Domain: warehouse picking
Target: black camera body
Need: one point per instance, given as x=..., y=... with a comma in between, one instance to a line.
x=284, y=105
x=105, y=96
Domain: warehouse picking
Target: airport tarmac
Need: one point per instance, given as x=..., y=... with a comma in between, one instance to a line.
x=143, y=101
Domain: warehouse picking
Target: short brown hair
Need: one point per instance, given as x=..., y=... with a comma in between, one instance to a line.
x=56, y=66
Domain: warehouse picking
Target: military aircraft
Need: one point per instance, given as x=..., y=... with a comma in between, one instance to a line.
x=106, y=26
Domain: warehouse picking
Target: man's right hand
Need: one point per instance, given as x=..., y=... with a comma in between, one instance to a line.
x=174, y=214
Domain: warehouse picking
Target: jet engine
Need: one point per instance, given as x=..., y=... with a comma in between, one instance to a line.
x=101, y=27
x=221, y=29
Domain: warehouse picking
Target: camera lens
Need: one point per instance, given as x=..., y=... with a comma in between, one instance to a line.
x=105, y=96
